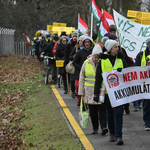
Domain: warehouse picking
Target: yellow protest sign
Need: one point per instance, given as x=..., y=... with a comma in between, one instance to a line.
x=145, y=21
x=138, y=14
x=56, y=24
x=68, y=30
x=50, y=28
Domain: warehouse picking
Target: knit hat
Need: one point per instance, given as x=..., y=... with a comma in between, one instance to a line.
x=56, y=38
x=104, y=39
x=52, y=35
x=109, y=44
x=81, y=37
x=75, y=33
x=148, y=43
x=94, y=37
x=97, y=50
x=48, y=35
x=111, y=36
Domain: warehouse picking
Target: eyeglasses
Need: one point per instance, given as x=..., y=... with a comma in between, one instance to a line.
x=64, y=40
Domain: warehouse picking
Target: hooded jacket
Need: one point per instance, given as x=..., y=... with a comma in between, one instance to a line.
x=87, y=91
x=99, y=78
x=81, y=56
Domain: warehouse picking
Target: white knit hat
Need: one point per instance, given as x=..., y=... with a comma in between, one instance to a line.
x=97, y=50
x=81, y=37
x=109, y=44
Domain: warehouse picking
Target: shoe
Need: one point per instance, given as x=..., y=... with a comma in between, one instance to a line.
x=135, y=109
x=78, y=103
x=127, y=111
x=112, y=138
x=119, y=141
x=104, y=131
x=73, y=95
x=65, y=92
x=140, y=106
x=147, y=128
x=95, y=131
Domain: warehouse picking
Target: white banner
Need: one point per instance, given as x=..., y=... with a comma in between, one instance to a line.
x=129, y=85
x=133, y=36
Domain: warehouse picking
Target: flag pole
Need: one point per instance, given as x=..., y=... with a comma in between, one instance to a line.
x=78, y=27
x=117, y=33
x=91, y=24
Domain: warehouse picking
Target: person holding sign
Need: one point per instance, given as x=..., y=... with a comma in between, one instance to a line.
x=112, y=60
x=143, y=59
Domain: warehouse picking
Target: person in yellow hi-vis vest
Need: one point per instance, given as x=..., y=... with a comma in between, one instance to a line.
x=97, y=110
x=112, y=60
x=143, y=59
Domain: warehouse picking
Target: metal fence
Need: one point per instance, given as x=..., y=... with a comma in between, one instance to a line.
x=22, y=48
x=6, y=41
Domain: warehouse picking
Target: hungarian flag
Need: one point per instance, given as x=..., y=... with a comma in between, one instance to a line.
x=104, y=28
x=106, y=21
x=108, y=17
x=82, y=26
x=97, y=14
x=30, y=43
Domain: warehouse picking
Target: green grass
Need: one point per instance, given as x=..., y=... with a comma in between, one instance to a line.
x=47, y=129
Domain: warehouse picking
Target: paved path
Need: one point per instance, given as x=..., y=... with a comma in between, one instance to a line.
x=134, y=136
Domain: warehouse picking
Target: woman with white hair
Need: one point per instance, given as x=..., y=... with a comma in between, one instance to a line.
x=112, y=60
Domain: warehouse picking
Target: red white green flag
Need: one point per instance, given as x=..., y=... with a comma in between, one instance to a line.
x=30, y=43
x=104, y=28
x=106, y=21
x=97, y=14
x=82, y=26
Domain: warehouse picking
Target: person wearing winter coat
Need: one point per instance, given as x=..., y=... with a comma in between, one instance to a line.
x=113, y=59
x=60, y=50
x=141, y=61
x=97, y=110
x=68, y=51
x=77, y=47
x=81, y=56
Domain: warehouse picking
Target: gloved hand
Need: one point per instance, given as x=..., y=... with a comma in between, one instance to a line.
x=119, y=69
x=96, y=98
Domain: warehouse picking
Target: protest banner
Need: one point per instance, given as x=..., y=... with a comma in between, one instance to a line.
x=145, y=21
x=129, y=85
x=50, y=28
x=138, y=14
x=56, y=24
x=133, y=36
x=68, y=30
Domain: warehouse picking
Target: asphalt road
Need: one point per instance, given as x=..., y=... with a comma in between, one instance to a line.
x=134, y=135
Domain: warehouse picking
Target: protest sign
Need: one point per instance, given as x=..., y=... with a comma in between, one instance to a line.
x=132, y=35
x=138, y=14
x=145, y=21
x=129, y=85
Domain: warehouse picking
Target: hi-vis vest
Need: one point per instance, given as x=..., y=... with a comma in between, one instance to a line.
x=107, y=66
x=89, y=79
x=143, y=60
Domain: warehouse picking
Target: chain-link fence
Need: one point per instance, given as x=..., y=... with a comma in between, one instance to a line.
x=6, y=41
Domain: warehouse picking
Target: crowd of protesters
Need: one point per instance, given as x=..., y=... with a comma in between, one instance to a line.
x=90, y=59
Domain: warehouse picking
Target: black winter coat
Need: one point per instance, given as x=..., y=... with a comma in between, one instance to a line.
x=139, y=57
x=68, y=50
x=80, y=57
x=60, y=56
x=99, y=78
x=48, y=51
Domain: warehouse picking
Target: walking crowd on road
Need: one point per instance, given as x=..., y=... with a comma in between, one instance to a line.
x=85, y=59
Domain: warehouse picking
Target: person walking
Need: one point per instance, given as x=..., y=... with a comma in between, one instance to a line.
x=112, y=60
x=141, y=61
x=81, y=56
x=97, y=110
x=77, y=48
x=60, y=50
